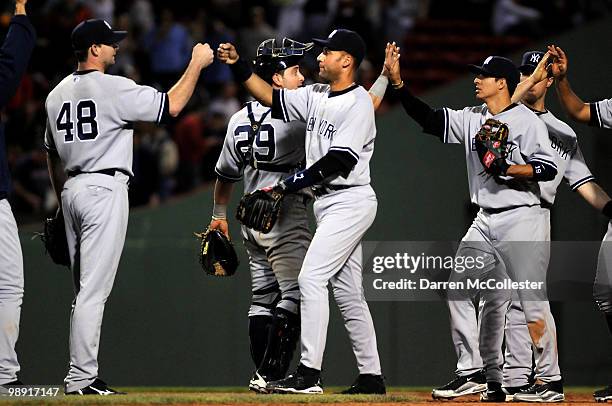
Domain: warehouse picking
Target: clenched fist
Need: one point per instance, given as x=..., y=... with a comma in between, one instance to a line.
x=203, y=53
x=227, y=53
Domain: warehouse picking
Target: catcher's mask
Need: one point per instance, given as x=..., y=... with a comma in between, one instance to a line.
x=272, y=58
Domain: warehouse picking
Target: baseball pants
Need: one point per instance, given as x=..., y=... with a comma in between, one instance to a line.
x=602, y=288
x=96, y=216
x=335, y=256
x=11, y=292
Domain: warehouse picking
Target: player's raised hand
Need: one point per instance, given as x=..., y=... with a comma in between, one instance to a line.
x=203, y=54
x=227, y=53
x=544, y=68
x=221, y=225
x=392, y=56
x=559, y=65
x=20, y=6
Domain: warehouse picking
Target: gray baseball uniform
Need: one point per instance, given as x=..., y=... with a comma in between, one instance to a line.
x=89, y=125
x=601, y=116
x=344, y=210
x=275, y=258
x=510, y=216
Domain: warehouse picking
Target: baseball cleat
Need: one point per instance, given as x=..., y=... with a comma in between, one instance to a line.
x=603, y=395
x=542, y=392
x=494, y=393
x=98, y=387
x=258, y=383
x=461, y=386
x=510, y=391
x=304, y=381
x=367, y=384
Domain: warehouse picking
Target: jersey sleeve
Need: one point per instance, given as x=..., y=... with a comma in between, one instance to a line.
x=230, y=165
x=354, y=132
x=577, y=172
x=140, y=103
x=534, y=144
x=49, y=142
x=601, y=113
x=454, y=126
x=291, y=105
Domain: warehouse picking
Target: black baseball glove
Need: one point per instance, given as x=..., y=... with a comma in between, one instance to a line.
x=491, y=146
x=217, y=255
x=259, y=210
x=54, y=239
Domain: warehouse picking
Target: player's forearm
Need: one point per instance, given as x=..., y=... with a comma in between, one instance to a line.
x=431, y=120
x=14, y=55
x=520, y=171
x=377, y=91
x=181, y=92
x=573, y=105
x=332, y=165
x=222, y=196
x=536, y=171
x=256, y=86
x=56, y=175
x=20, y=8
x=521, y=89
x=594, y=195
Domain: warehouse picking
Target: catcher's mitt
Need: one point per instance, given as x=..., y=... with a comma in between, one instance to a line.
x=491, y=146
x=259, y=210
x=217, y=254
x=54, y=239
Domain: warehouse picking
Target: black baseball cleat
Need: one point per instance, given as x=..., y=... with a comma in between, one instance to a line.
x=97, y=387
x=542, y=392
x=367, y=384
x=304, y=380
x=510, y=391
x=461, y=386
x=603, y=395
x=494, y=393
x=258, y=383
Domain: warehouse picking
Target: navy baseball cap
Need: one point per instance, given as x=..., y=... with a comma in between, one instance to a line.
x=95, y=31
x=530, y=61
x=498, y=67
x=344, y=40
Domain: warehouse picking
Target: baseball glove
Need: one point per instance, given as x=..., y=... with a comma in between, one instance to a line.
x=54, y=239
x=491, y=146
x=217, y=255
x=259, y=210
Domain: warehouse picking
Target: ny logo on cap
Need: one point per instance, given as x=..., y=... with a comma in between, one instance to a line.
x=487, y=60
x=332, y=33
x=535, y=58
x=108, y=25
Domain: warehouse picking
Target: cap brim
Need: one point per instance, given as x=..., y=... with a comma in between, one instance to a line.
x=478, y=70
x=323, y=43
x=118, y=36
x=526, y=69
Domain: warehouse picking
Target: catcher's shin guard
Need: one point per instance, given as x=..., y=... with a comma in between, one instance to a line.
x=259, y=331
x=282, y=341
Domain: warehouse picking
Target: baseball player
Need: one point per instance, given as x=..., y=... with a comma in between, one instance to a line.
x=14, y=55
x=340, y=134
x=571, y=167
x=262, y=151
x=597, y=114
x=89, y=137
x=510, y=215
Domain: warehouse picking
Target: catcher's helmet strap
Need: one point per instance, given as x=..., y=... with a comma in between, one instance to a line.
x=253, y=131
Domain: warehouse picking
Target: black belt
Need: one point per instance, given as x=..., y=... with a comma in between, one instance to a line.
x=109, y=172
x=3, y=195
x=321, y=190
x=543, y=204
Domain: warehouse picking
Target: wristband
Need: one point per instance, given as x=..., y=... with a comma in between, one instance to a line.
x=399, y=85
x=380, y=86
x=607, y=209
x=219, y=211
x=241, y=70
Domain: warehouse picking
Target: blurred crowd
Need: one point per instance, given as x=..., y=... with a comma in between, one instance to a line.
x=180, y=157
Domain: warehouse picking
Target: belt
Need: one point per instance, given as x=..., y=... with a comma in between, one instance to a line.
x=3, y=195
x=322, y=190
x=543, y=204
x=109, y=172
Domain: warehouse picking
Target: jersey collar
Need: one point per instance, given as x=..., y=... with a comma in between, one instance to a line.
x=341, y=92
x=84, y=72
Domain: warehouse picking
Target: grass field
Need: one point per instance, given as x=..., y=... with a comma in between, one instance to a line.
x=241, y=396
